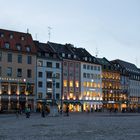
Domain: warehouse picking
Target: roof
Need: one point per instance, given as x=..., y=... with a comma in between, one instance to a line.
x=43, y=49
x=103, y=61
x=127, y=66
x=16, y=38
x=77, y=53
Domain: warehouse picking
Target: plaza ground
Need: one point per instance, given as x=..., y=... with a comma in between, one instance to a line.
x=77, y=126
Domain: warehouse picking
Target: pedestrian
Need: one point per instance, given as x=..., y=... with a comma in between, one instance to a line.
x=43, y=113
x=27, y=112
x=67, y=110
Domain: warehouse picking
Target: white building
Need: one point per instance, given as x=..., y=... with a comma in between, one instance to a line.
x=91, y=86
x=48, y=76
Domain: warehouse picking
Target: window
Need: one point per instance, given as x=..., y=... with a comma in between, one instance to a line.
x=18, y=46
x=7, y=45
x=88, y=67
x=98, y=68
x=29, y=59
x=77, y=84
x=49, y=84
x=9, y=71
x=11, y=36
x=40, y=74
x=40, y=95
x=49, y=95
x=0, y=56
x=28, y=48
x=84, y=75
x=71, y=83
x=95, y=68
x=88, y=75
x=0, y=71
x=77, y=65
x=19, y=72
x=57, y=96
x=1, y=35
x=19, y=58
x=91, y=67
x=29, y=73
x=40, y=63
x=49, y=64
x=40, y=84
x=69, y=56
x=49, y=74
x=57, y=75
x=65, y=83
x=9, y=59
x=57, y=85
x=63, y=55
x=22, y=38
x=57, y=65
x=84, y=66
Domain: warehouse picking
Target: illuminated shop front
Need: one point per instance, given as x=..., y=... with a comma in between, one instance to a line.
x=15, y=93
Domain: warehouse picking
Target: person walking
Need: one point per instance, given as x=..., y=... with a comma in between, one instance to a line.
x=67, y=110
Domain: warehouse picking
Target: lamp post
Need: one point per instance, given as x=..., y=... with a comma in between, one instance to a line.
x=54, y=109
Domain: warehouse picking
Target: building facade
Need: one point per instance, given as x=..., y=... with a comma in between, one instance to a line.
x=114, y=98
x=130, y=80
x=17, y=70
x=49, y=79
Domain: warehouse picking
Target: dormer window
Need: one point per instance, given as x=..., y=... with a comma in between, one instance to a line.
x=7, y=45
x=18, y=46
x=28, y=48
x=1, y=35
x=11, y=36
x=22, y=38
x=47, y=54
x=90, y=59
x=63, y=54
x=69, y=56
x=75, y=56
x=85, y=58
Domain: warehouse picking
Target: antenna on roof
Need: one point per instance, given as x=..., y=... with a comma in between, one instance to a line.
x=49, y=32
x=96, y=52
x=27, y=30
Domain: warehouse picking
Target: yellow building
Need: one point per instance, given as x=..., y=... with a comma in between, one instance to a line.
x=17, y=70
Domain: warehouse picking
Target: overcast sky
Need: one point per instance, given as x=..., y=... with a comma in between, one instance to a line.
x=109, y=27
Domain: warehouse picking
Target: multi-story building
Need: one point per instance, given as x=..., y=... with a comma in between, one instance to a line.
x=113, y=97
x=91, y=81
x=70, y=76
x=48, y=75
x=80, y=92
x=17, y=70
x=130, y=80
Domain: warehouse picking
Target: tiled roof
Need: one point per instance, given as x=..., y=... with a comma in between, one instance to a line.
x=43, y=47
x=16, y=38
x=128, y=66
x=103, y=61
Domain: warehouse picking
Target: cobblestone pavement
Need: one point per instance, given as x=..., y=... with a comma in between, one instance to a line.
x=78, y=126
